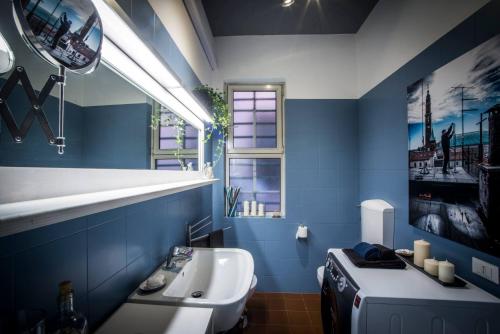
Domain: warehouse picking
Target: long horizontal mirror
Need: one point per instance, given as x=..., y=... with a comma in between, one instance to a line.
x=109, y=123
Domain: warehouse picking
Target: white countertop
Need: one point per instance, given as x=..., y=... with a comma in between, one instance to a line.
x=158, y=319
x=408, y=283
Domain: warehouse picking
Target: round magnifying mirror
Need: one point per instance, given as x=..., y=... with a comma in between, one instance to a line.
x=6, y=56
x=63, y=32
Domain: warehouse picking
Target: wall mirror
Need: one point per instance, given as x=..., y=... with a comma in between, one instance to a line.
x=6, y=56
x=108, y=120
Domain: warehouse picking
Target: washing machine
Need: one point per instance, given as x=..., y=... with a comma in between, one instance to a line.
x=378, y=301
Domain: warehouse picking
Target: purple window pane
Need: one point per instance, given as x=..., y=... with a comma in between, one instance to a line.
x=266, y=142
x=168, y=164
x=265, y=95
x=266, y=116
x=265, y=104
x=168, y=144
x=266, y=130
x=168, y=132
x=240, y=168
x=243, y=105
x=190, y=143
x=243, y=183
x=243, y=117
x=191, y=132
x=269, y=198
x=243, y=95
x=243, y=142
x=267, y=183
x=243, y=130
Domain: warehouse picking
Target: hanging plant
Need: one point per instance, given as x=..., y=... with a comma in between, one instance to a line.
x=219, y=128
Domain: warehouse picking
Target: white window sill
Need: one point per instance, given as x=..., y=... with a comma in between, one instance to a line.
x=22, y=216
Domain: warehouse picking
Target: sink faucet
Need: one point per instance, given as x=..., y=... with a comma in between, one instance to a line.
x=178, y=254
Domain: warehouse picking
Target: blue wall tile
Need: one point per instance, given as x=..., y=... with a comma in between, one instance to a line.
x=321, y=192
x=107, y=247
x=383, y=138
x=106, y=255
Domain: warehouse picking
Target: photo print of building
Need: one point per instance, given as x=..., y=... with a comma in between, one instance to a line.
x=68, y=30
x=454, y=149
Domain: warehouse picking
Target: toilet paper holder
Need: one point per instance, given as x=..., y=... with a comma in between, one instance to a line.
x=301, y=232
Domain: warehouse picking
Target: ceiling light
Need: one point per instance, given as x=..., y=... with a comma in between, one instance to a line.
x=287, y=3
x=122, y=36
x=121, y=63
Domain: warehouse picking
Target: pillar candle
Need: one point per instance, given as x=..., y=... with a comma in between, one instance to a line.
x=254, y=208
x=431, y=266
x=446, y=271
x=422, y=251
x=246, y=208
x=261, y=210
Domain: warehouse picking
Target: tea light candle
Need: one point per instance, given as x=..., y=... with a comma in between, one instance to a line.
x=246, y=208
x=422, y=251
x=431, y=266
x=446, y=271
x=254, y=208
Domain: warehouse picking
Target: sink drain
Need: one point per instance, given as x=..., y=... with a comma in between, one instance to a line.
x=197, y=294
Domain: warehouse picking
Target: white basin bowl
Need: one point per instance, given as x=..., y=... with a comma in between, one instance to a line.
x=223, y=275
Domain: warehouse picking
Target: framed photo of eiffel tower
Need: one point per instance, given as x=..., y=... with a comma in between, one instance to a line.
x=454, y=149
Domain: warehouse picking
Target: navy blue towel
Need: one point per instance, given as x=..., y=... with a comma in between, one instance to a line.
x=367, y=251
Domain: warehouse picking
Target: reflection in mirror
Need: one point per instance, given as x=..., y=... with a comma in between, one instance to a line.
x=6, y=56
x=175, y=143
x=107, y=120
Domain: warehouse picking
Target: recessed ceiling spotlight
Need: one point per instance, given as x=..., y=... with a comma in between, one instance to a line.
x=287, y=3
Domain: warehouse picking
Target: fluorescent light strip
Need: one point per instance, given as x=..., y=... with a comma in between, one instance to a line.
x=126, y=67
x=117, y=30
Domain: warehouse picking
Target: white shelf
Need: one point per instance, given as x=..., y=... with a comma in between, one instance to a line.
x=26, y=215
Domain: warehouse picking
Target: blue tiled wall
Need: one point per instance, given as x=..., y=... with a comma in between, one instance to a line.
x=383, y=137
x=117, y=136
x=113, y=136
x=321, y=192
x=106, y=255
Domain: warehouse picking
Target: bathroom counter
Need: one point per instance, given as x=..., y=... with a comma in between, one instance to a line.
x=158, y=319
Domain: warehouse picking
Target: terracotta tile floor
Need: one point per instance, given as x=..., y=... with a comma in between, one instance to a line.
x=283, y=313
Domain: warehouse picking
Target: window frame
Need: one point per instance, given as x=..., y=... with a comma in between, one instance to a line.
x=259, y=153
x=159, y=154
x=278, y=88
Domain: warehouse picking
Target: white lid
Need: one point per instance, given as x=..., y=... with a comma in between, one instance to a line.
x=377, y=204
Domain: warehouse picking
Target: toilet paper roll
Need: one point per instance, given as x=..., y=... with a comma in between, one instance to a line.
x=301, y=232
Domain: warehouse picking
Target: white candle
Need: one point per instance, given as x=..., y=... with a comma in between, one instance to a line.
x=254, y=208
x=246, y=208
x=446, y=271
x=261, y=210
x=431, y=266
x=422, y=251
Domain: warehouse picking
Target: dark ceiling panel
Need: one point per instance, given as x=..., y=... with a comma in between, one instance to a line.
x=267, y=17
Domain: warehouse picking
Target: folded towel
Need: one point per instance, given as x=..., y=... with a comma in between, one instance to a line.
x=358, y=261
x=386, y=253
x=367, y=251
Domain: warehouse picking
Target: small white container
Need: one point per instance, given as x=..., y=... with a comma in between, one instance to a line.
x=262, y=213
x=246, y=208
x=254, y=208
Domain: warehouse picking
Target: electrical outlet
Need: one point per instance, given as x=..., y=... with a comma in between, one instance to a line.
x=485, y=270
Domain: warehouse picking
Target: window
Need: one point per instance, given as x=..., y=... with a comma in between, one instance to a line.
x=173, y=147
x=255, y=153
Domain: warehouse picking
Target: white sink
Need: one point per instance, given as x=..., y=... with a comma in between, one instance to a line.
x=223, y=275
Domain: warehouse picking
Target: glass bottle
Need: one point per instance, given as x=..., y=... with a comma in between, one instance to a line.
x=70, y=321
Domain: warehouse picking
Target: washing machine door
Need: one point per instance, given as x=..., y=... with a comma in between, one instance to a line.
x=329, y=310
